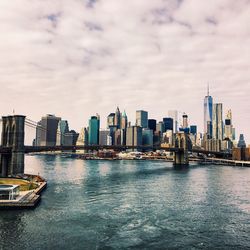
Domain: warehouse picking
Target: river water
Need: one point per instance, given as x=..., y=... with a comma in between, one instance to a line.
x=132, y=205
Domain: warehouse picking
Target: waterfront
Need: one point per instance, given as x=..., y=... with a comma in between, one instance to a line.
x=132, y=204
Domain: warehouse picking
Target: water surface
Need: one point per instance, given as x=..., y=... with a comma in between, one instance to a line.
x=132, y=205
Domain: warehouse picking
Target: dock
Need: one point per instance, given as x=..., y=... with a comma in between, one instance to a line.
x=28, y=199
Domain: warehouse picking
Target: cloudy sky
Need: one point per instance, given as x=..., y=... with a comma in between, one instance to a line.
x=74, y=58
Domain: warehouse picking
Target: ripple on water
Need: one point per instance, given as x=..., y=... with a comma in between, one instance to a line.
x=132, y=205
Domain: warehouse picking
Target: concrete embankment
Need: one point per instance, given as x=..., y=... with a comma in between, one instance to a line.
x=217, y=161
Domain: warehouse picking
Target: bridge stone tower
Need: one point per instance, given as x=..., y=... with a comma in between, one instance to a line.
x=182, y=141
x=12, y=163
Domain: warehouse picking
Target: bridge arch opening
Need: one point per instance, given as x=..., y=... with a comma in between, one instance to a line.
x=176, y=143
x=182, y=143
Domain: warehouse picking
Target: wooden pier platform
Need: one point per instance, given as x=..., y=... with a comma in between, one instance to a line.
x=29, y=199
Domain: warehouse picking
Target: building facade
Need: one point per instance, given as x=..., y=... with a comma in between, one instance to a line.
x=134, y=136
x=46, y=130
x=62, y=129
x=168, y=123
x=217, y=122
x=94, y=127
x=152, y=124
x=141, y=118
x=208, y=115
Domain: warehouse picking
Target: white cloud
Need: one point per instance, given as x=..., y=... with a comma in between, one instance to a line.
x=75, y=58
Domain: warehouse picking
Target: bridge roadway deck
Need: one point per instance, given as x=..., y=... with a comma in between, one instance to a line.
x=30, y=149
x=34, y=149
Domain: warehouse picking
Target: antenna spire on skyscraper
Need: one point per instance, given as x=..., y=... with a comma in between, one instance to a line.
x=208, y=89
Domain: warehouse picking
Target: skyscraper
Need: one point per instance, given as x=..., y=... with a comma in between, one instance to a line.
x=185, y=121
x=111, y=120
x=160, y=127
x=134, y=136
x=208, y=115
x=228, y=126
x=62, y=129
x=94, y=126
x=241, y=142
x=103, y=136
x=83, y=137
x=142, y=118
x=174, y=115
x=124, y=125
x=168, y=123
x=118, y=117
x=217, y=122
x=70, y=138
x=152, y=124
x=46, y=131
x=147, y=137
x=124, y=120
x=193, y=129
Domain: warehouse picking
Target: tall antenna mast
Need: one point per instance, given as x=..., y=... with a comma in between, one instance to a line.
x=207, y=89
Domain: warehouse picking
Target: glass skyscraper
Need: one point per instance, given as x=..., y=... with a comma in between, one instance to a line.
x=46, y=131
x=62, y=129
x=208, y=115
x=94, y=127
x=168, y=123
x=217, y=122
x=142, y=118
x=174, y=115
x=152, y=124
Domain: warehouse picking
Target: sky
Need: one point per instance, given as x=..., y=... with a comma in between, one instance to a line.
x=76, y=58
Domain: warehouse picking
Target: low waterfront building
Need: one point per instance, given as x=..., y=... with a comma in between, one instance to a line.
x=241, y=154
x=9, y=192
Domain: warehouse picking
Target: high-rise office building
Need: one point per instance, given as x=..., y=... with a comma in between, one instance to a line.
x=118, y=117
x=167, y=138
x=70, y=138
x=152, y=124
x=134, y=136
x=112, y=133
x=46, y=131
x=208, y=115
x=124, y=120
x=147, y=137
x=160, y=128
x=174, y=115
x=111, y=120
x=168, y=123
x=217, y=122
x=241, y=142
x=185, y=121
x=103, y=136
x=118, y=137
x=124, y=125
x=193, y=129
x=94, y=127
x=141, y=118
x=228, y=126
x=62, y=129
x=83, y=137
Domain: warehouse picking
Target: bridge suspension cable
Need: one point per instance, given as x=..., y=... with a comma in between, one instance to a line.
x=35, y=125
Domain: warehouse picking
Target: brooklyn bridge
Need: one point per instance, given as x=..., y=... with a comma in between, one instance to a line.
x=13, y=148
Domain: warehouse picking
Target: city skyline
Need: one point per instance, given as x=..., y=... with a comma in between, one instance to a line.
x=79, y=58
x=132, y=122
